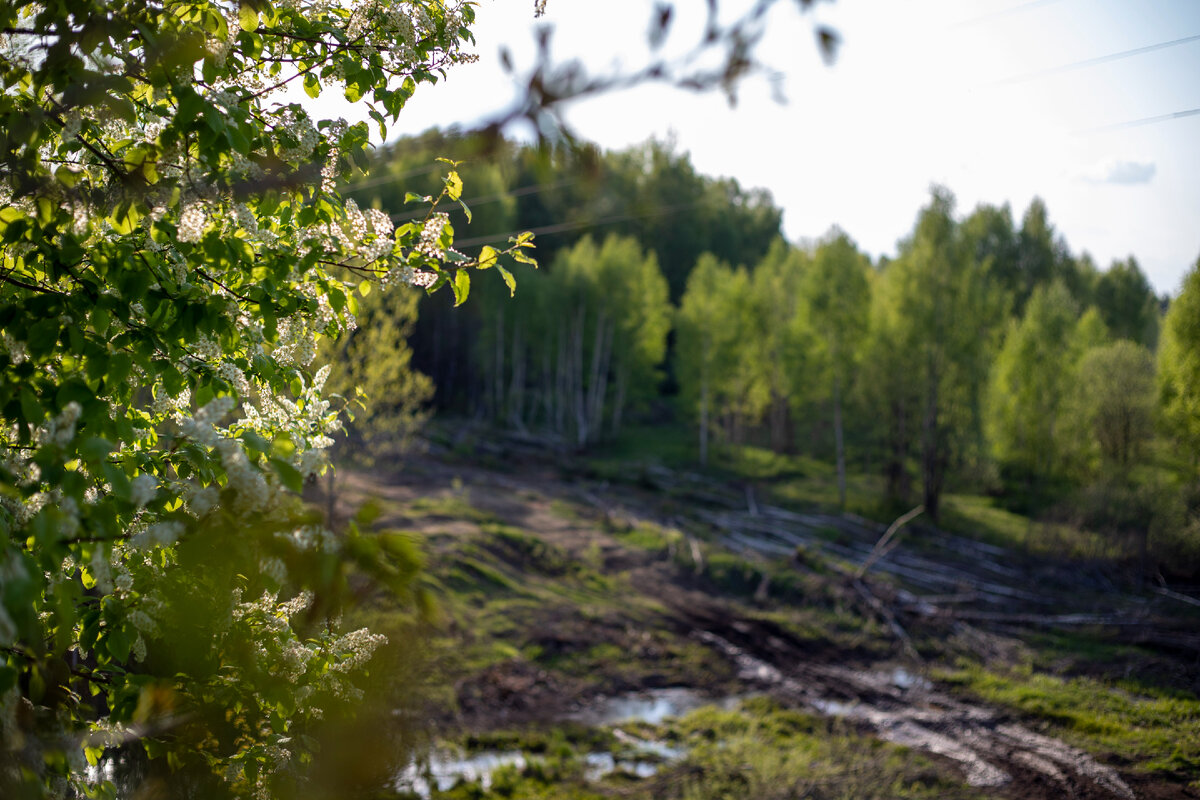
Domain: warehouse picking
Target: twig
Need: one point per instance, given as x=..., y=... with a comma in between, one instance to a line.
x=1183, y=598
x=878, y=551
x=879, y=608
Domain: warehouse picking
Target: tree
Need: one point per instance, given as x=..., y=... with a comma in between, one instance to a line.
x=1030, y=385
x=890, y=395
x=1179, y=365
x=372, y=374
x=1127, y=303
x=838, y=297
x=1116, y=397
x=604, y=317
x=173, y=250
x=703, y=349
x=779, y=347
x=945, y=310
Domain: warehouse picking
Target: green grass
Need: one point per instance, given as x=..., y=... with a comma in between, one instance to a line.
x=759, y=751
x=670, y=445
x=455, y=505
x=766, y=752
x=1156, y=728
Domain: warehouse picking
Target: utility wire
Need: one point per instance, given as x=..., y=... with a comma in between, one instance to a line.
x=1089, y=62
x=483, y=200
x=564, y=227
x=1134, y=123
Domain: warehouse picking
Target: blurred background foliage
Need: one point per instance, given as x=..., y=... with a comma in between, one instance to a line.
x=986, y=358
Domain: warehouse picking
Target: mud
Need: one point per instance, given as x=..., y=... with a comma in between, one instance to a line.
x=949, y=587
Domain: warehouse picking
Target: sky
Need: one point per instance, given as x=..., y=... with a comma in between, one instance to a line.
x=998, y=100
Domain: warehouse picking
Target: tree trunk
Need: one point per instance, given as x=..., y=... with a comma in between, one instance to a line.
x=619, y=401
x=837, y=437
x=516, y=387
x=577, y=374
x=598, y=382
x=498, y=380
x=931, y=468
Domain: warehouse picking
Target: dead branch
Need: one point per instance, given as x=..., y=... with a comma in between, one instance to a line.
x=888, y=617
x=878, y=551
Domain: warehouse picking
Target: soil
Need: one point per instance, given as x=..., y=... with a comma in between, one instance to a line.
x=942, y=593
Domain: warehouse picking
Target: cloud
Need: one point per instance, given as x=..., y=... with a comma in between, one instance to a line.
x=1120, y=172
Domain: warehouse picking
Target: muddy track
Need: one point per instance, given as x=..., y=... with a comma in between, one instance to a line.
x=945, y=581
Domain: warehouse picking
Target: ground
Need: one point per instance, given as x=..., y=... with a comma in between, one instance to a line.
x=950, y=667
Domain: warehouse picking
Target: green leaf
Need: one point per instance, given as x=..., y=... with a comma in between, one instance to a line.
x=95, y=449
x=523, y=257
x=509, y=280
x=290, y=476
x=118, y=642
x=461, y=285
x=454, y=185
x=100, y=320
x=31, y=408
x=312, y=87
x=247, y=18
x=364, y=288
x=42, y=337
x=413, y=197
x=487, y=257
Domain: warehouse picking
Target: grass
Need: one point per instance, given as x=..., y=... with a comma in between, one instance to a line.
x=766, y=752
x=671, y=445
x=1156, y=728
x=510, y=595
x=760, y=751
x=806, y=482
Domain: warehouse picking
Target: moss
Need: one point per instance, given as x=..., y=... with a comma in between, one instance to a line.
x=1157, y=729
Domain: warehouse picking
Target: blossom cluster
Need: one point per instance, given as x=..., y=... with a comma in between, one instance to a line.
x=176, y=252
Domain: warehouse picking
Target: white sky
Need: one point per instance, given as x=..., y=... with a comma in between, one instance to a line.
x=915, y=97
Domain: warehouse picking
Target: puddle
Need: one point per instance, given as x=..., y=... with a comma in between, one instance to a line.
x=832, y=708
x=903, y=679
x=444, y=769
x=599, y=765
x=652, y=706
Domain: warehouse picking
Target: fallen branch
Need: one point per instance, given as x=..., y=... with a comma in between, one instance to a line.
x=878, y=551
x=1183, y=598
x=888, y=617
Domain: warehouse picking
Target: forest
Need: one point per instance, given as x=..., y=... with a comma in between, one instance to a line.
x=986, y=358
x=465, y=468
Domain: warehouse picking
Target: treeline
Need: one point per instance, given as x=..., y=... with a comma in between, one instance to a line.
x=984, y=357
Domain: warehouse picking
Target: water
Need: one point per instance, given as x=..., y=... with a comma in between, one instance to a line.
x=445, y=769
x=652, y=706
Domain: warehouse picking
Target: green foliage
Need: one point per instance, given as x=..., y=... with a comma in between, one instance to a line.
x=1116, y=400
x=372, y=372
x=1027, y=400
x=935, y=360
x=767, y=752
x=1159, y=729
x=174, y=250
x=1179, y=365
x=600, y=320
x=706, y=353
x=1127, y=303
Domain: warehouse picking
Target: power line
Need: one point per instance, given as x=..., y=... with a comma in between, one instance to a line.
x=388, y=177
x=1134, y=123
x=564, y=227
x=482, y=200
x=1089, y=62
